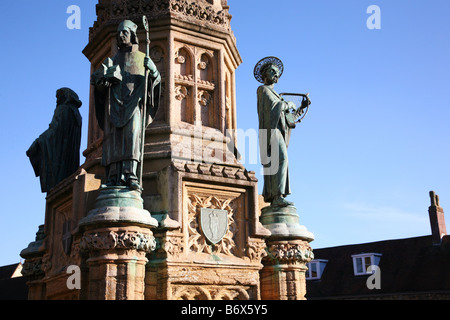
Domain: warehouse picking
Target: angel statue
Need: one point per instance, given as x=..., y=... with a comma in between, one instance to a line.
x=278, y=115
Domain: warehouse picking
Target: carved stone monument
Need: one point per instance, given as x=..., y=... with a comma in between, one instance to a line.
x=178, y=218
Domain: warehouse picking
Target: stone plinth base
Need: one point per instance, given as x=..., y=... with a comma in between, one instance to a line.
x=32, y=267
x=119, y=205
x=283, y=276
x=283, y=222
x=116, y=239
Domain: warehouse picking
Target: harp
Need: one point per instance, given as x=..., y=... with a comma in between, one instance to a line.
x=297, y=114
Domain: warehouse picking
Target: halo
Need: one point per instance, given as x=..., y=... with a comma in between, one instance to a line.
x=263, y=62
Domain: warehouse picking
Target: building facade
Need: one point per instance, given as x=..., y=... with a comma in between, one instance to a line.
x=415, y=268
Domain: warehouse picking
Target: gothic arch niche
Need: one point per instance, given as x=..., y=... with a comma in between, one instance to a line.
x=228, y=103
x=184, y=84
x=206, y=67
x=183, y=64
x=183, y=102
x=157, y=54
x=191, y=293
x=206, y=94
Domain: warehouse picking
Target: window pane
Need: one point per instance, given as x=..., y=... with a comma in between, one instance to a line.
x=307, y=274
x=359, y=265
x=367, y=262
x=314, y=270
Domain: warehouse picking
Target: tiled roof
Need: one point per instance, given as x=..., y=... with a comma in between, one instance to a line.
x=12, y=285
x=7, y=272
x=407, y=266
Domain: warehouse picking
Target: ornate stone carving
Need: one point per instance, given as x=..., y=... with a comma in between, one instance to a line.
x=32, y=268
x=203, y=65
x=202, y=292
x=180, y=59
x=290, y=252
x=216, y=170
x=46, y=263
x=204, y=98
x=206, y=84
x=197, y=241
x=256, y=249
x=114, y=11
x=181, y=92
x=117, y=240
x=197, y=11
x=75, y=253
x=156, y=54
x=172, y=245
x=183, y=78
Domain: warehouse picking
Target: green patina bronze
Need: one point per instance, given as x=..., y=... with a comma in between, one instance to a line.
x=119, y=197
x=118, y=205
x=277, y=117
x=275, y=125
x=55, y=155
x=120, y=94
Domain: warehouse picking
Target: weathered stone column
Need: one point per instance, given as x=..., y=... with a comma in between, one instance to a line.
x=283, y=275
x=116, y=238
x=32, y=267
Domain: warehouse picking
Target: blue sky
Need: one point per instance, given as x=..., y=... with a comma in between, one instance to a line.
x=375, y=142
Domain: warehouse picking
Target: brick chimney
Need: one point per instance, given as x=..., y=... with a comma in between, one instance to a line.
x=437, y=219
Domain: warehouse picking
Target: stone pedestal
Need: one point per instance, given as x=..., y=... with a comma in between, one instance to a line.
x=32, y=267
x=283, y=275
x=116, y=238
x=284, y=223
x=187, y=264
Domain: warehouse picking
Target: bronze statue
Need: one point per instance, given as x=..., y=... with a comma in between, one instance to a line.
x=55, y=155
x=120, y=94
x=276, y=119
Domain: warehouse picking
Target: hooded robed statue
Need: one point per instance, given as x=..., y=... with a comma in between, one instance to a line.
x=55, y=155
x=119, y=100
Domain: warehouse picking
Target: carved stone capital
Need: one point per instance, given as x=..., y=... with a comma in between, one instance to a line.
x=32, y=268
x=256, y=249
x=289, y=252
x=169, y=245
x=121, y=240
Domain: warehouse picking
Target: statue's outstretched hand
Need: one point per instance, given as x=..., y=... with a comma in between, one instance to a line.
x=306, y=102
x=150, y=65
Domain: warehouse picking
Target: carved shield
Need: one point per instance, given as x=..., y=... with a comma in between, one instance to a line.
x=214, y=224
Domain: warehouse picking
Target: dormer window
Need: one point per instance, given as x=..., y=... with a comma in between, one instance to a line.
x=315, y=269
x=361, y=262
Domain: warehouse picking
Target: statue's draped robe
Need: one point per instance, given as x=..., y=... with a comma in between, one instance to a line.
x=55, y=155
x=274, y=133
x=119, y=110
